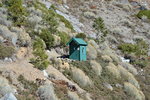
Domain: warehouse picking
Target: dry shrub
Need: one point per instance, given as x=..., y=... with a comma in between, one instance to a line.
x=133, y=91
x=128, y=76
x=113, y=70
x=96, y=67
x=106, y=58
x=130, y=68
x=73, y=96
x=92, y=53
x=80, y=77
x=46, y=92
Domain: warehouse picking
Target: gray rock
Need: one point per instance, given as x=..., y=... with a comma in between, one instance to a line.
x=6, y=33
x=5, y=87
x=89, y=15
x=8, y=60
x=9, y=96
x=74, y=21
x=1, y=39
x=108, y=86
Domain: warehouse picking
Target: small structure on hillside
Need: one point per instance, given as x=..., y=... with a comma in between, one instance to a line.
x=77, y=49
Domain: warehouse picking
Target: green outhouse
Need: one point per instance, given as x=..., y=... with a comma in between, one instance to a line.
x=77, y=49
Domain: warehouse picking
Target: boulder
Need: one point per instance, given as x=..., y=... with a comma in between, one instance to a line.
x=108, y=86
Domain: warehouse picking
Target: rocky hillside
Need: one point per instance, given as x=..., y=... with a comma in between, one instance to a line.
x=33, y=51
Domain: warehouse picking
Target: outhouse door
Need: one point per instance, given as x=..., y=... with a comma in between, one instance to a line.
x=82, y=53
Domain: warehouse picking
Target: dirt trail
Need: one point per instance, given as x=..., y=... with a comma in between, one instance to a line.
x=22, y=67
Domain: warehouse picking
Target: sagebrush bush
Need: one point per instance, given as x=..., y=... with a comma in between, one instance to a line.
x=66, y=22
x=128, y=76
x=96, y=67
x=1, y=4
x=46, y=92
x=16, y=11
x=132, y=91
x=142, y=13
x=5, y=87
x=41, y=59
x=112, y=69
x=5, y=22
x=81, y=35
x=141, y=62
x=129, y=48
x=64, y=38
x=91, y=52
x=50, y=20
x=23, y=37
x=6, y=33
x=47, y=37
x=6, y=51
x=130, y=68
x=33, y=20
x=83, y=80
x=140, y=48
x=73, y=96
x=28, y=84
x=93, y=43
x=34, y=11
x=106, y=58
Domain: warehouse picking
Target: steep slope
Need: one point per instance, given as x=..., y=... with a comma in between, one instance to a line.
x=33, y=36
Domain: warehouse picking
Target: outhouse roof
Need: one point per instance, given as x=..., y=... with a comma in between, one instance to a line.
x=79, y=41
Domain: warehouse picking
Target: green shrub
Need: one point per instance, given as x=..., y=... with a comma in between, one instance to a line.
x=16, y=11
x=144, y=13
x=30, y=89
x=1, y=4
x=99, y=26
x=41, y=59
x=6, y=51
x=53, y=7
x=64, y=38
x=47, y=37
x=81, y=35
x=141, y=63
x=128, y=48
x=140, y=48
x=65, y=21
x=51, y=22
